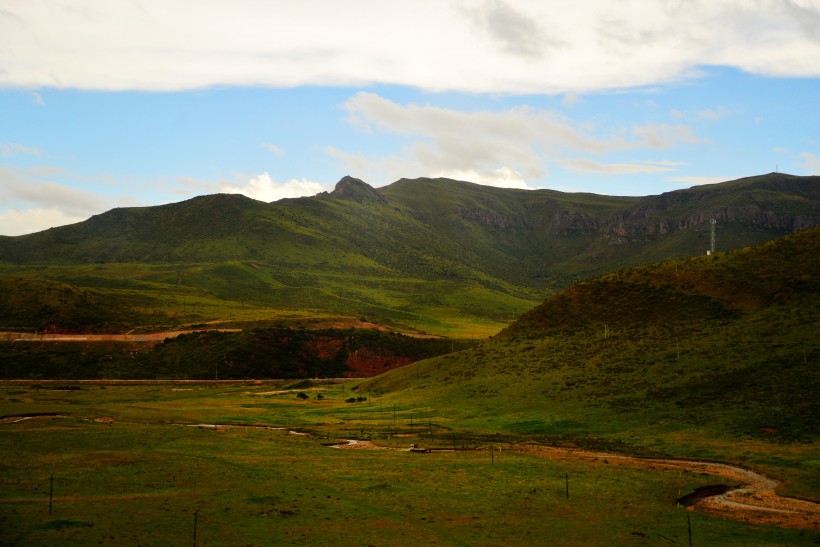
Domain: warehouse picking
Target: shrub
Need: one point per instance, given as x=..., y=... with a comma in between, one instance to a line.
x=302, y=395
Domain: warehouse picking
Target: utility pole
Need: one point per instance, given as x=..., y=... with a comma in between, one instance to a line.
x=713, y=222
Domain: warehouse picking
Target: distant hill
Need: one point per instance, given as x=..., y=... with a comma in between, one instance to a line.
x=781, y=273
x=436, y=254
x=709, y=357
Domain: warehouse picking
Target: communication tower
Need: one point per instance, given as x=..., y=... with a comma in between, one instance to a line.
x=712, y=247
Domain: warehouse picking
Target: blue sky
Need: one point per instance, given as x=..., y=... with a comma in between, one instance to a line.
x=113, y=104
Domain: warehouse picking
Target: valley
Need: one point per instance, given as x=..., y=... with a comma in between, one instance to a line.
x=558, y=373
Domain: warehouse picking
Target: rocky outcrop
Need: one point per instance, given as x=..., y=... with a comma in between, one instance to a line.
x=643, y=222
x=755, y=217
x=352, y=189
x=573, y=222
x=491, y=218
x=562, y=221
x=665, y=214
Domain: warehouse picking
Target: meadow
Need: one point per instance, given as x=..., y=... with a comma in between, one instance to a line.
x=139, y=464
x=120, y=298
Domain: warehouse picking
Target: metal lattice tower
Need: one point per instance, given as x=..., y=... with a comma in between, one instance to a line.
x=713, y=222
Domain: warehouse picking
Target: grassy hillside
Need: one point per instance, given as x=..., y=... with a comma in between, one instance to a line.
x=434, y=255
x=707, y=357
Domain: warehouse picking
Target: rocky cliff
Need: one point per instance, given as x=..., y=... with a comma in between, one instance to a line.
x=776, y=202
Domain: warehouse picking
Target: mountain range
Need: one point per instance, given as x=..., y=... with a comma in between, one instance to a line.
x=436, y=255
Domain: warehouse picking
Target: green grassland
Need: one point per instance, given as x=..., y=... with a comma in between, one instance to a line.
x=118, y=298
x=127, y=470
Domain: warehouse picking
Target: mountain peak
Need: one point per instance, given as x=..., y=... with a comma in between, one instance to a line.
x=354, y=189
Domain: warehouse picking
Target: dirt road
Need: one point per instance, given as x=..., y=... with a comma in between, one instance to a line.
x=754, y=500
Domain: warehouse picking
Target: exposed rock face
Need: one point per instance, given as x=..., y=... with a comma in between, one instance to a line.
x=353, y=189
x=567, y=222
x=641, y=222
x=499, y=220
x=761, y=205
x=754, y=216
x=562, y=221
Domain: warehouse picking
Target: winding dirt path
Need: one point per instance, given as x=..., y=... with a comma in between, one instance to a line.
x=754, y=501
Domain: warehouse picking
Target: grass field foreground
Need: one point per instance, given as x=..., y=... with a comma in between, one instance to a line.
x=128, y=469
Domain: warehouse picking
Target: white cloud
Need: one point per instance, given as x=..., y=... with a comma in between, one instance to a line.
x=23, y=186
x=695, y=181
x=526, y=46
x=37, y=98
x=807, y=162
x=512, y=147
x=503, y=177
x=666, y=136
x=8, y=149
x=14, y=222
x=811, y=163
x=263, y=188
x=378, y=170
x=663, y=163
x=715, y=114
x=571, y=99
x=273, y=149
x=585, y=165
x=40, y=197
x=513, y=31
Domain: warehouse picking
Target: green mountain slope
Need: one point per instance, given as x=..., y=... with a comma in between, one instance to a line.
x=708, y=357
x=432, y=254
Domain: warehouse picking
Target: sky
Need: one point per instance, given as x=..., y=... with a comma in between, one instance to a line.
x=119, y=103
